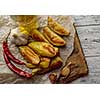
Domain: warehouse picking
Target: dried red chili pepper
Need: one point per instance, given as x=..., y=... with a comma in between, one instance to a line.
x=15, y=69
x=8, y=53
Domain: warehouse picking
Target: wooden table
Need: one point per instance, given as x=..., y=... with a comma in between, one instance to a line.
x=88, y=28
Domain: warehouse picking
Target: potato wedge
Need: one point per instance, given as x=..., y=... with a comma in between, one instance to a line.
x=29, y=54
x=38, y=36
x=52, y=37
x=43, y=49
x=56, y=27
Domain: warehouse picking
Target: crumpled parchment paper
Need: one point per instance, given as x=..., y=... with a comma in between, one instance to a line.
x=6, y=75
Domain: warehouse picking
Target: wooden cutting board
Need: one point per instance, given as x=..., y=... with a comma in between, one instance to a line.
x=77, y=58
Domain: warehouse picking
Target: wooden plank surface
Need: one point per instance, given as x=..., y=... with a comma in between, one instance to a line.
x=88, y=28
x=83, y=20
x=94, y=72
x=78, y=65
x=90, y=39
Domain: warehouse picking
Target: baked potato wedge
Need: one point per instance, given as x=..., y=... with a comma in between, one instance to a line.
x=56, y=27
x=52, y=37
x=29, y=55
x=38, y=36
x=43, y=49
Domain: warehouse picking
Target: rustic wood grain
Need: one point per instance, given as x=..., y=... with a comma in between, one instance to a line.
x=88, y=28
x=94, y=72
x=86, y=20
x=78, y=65
x=90, y=40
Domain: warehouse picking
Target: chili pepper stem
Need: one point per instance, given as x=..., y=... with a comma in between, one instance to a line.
x=8, y=36
x=8, y=53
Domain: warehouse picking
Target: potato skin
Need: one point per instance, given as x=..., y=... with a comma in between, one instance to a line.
x=43, y=49
x=56, y=27
x=29, y=54
x=52, y=37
